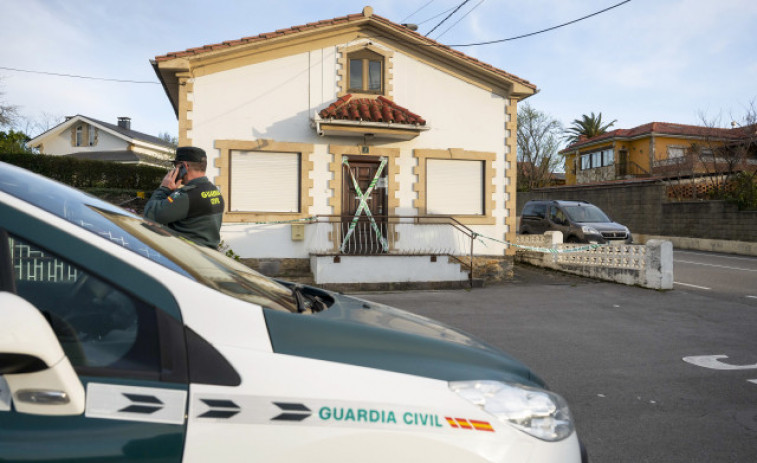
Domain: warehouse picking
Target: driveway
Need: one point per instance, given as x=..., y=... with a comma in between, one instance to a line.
x=616, y=354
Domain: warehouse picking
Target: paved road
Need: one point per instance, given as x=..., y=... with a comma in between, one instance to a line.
x=721, y=275
x=616, y=354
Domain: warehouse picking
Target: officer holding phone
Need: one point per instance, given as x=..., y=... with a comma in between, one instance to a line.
x=186, y=201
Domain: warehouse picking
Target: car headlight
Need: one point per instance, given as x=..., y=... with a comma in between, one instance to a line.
x=540, y=413
x=589, y=230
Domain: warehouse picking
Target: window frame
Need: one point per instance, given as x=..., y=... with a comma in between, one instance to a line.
x=365, y=57
x=223, y=180
x=232, y=197
x=487, y=218
x=369, y=51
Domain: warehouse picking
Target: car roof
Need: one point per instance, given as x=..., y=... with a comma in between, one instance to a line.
x=566, y=202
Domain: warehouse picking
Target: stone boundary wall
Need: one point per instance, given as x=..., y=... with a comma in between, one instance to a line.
x=648, y=266
x=643, y=207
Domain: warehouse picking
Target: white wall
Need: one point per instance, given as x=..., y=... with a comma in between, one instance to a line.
x=61, y=144
x=277, y=100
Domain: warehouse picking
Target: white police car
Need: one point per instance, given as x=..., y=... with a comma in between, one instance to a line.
x=121, y=342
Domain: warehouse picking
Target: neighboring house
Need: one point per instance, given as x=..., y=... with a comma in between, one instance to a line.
x=87, y=138
x=288, y=118
x=659, y=149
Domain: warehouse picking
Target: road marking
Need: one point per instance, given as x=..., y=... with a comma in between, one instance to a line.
x=712, y=362
x=693, y=286
x=752, y=381
x=719, y=256
x=716, y=266
x=752, y=297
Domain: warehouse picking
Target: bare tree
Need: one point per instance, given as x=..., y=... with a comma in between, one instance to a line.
x=8, y=113
x=538, y=144
x=728, y=156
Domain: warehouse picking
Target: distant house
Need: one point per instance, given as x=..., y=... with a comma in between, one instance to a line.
x=659, y=149
x=87, y=138
x=360, y=123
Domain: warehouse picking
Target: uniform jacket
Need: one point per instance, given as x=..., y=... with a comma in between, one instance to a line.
x=195, y=211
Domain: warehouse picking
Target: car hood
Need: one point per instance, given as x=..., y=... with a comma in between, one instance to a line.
x=368, y=334
x=604, y=226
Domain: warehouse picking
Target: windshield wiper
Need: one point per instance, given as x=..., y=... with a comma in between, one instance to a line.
x=307, y=302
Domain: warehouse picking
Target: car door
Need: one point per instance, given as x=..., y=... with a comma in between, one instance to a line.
x=129, y=354
x=559, y=221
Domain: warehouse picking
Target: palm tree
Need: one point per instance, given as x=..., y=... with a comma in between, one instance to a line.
x=589, y=126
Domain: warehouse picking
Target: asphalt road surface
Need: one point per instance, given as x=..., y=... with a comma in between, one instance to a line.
x=616, y=353
x=720, y=275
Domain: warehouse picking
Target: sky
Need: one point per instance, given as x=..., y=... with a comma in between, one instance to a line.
x=642, y=61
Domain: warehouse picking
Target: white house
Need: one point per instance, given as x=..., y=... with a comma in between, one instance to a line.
x=303, y=123
x=87, y=138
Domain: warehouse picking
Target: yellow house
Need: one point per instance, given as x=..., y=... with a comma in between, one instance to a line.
x=655, y=149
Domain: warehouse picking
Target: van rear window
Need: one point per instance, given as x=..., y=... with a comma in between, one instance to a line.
x=535, y=210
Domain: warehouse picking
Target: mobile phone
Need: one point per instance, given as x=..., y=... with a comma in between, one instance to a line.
x=182, y=172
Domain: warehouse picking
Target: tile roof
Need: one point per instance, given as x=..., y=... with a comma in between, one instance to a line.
x=337, y=21
x=377, y=109
x=131, y=133
x=664, y=128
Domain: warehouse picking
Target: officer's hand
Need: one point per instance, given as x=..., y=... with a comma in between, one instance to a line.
x=170, y=181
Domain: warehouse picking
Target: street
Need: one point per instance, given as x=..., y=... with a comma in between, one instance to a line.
x=616, y=353
x=721, y=275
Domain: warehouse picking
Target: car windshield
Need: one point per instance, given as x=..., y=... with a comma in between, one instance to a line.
x=586, y=213
x=148, y=239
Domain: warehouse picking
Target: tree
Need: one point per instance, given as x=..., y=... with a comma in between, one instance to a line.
x=12, y=142
x=728, y=157
x=170, y=139
x=8, y=113
x=538, y=143
x=588, y=126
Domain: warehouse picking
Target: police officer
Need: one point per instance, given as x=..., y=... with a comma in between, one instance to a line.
x=186, y=201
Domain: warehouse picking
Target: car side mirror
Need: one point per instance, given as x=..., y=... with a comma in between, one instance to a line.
x=39, y=376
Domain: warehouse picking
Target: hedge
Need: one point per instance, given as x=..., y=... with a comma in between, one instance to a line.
x=86, y=174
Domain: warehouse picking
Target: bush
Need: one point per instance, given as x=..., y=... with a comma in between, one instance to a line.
x=87, y=174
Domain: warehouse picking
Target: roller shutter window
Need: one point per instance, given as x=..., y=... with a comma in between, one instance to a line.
x=454, y=187
x=265, y=182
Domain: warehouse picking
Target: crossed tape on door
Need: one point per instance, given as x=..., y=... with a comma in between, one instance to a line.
x=363, y=206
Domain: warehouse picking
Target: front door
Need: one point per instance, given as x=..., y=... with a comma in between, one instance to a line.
x=364, y=206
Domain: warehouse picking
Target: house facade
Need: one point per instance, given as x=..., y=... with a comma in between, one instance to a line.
x=87, y=138
x=353, y=136
x=658, y=149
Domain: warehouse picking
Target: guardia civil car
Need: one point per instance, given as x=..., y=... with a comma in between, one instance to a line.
x=121, y=342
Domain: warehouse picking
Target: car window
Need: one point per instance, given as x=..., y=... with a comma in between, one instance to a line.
x=557, y=215
x=98, y=325
x=148, y=239
x=535, y=210
x=586, y=213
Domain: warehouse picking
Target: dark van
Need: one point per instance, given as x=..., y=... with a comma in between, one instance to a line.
x=579, y=221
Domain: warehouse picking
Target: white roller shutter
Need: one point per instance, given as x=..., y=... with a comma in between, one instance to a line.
x=265, y=182
x=454, y=187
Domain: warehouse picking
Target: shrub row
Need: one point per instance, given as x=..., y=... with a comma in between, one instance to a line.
x=87, y=174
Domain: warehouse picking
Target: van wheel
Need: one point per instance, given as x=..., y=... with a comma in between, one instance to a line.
x=572, y=239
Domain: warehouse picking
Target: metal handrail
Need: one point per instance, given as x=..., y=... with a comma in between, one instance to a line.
x=414, y=220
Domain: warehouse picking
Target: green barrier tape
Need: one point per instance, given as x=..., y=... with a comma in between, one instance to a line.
x=384, y=244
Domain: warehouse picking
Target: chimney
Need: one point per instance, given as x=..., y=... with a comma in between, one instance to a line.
x=124, y=122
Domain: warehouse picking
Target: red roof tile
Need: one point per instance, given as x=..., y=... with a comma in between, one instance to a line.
x=342, y=20
x=377, y=109
x=664, y=128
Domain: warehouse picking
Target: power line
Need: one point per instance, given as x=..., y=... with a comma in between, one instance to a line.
x=435, y=16
x=419, y=9
x=448, y=16
x=58, y=74
x=463, y=17
x=541, y=31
